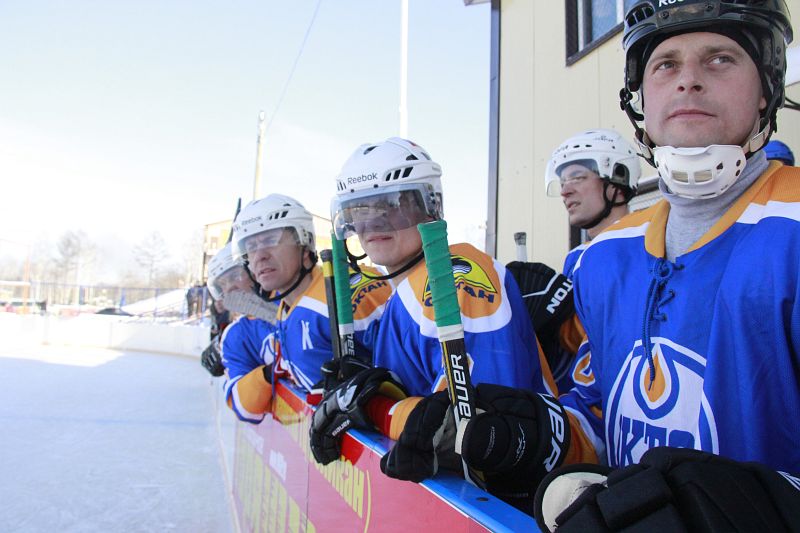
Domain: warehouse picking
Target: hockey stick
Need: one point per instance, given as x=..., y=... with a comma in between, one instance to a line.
x=449, y=328
x=344, y=309
x=330, y=296
x=520, y=238
x=250, y=304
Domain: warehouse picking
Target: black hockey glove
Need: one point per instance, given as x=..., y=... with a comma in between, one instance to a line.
x=671, y=489
x=344, y=408
x=212, y=360
x=336, y=371
x=518, y=438
x=546, y=293
x=426, y=443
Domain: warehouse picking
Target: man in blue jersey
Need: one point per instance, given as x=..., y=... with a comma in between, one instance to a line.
x=384, y=190
x=596, y=173
x=275, y=238
x=688, y=386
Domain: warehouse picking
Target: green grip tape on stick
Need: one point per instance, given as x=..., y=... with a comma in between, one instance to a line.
x=341, y=277
x=440, y=273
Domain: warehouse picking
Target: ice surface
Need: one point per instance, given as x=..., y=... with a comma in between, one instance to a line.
x=101, y=440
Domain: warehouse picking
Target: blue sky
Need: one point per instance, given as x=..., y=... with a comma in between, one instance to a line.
x=124, y=117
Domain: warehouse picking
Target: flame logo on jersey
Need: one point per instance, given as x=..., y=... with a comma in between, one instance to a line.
x=669, y=410
x=470, y=278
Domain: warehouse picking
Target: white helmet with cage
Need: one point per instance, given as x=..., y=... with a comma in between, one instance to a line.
x=603, y=151
x=391, y=185
x=224, y=272
x=261, y=223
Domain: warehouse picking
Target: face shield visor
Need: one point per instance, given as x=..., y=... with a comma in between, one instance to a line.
x=384, y=209
x=575, y=172
x=233, y=279
x=250, y=245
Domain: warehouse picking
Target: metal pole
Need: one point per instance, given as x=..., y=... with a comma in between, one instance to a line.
x=262, y=128
x=404, y=69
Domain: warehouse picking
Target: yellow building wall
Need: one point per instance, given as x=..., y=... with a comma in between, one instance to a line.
x=542, y=102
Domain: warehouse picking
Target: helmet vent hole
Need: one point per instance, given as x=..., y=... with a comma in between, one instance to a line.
x=407, y=172
x=720, y=166
x=369, y=149
x=412, y=157
x=702, y=176
x=683, y=177
x=738, y=162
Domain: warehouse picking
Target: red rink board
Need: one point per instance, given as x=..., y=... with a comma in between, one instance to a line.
x=278, y=486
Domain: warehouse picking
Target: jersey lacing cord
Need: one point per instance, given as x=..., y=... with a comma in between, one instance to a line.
x=662, y=271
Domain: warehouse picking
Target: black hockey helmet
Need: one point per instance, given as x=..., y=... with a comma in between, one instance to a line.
x=762, y=27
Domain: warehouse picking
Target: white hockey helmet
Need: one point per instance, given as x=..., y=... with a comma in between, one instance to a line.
x=393, y=183
x=225, y=270
x=603, y=151
x=257, y=225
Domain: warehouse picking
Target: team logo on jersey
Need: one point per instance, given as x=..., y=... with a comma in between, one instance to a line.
x=361, y=286
x=669, y=410
x=470, y=278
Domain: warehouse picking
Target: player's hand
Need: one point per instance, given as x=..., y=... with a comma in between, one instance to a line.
x=670, y=489
x=344, y=408
x=337, y=371
x=517, y=438
x=426, y=443
x=212, y=360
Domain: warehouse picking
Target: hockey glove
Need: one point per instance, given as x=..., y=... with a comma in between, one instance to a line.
x=345, y=408
x=212, y=360
x=546, y=293
x=518, y=438
x=426, y=443
x=336, y=371
x=671, y=489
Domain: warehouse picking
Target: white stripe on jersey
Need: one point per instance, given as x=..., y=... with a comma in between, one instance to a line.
x=756, y=212
x=314, y=305
x=624, y=233
x=241, y=411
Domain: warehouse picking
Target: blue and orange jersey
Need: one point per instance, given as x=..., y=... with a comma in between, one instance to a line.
x=497, y=329
x=702, y=352
x=572, y=258
x=304, y=331
x=248, y=344
x=302, y=338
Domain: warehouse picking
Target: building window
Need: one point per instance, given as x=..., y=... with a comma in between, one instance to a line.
x=591, y=23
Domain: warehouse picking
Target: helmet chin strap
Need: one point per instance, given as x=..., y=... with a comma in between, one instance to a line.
x=609, y=205
x=274, y=297
x=353, y=262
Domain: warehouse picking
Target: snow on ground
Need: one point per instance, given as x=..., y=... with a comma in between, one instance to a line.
x=100, y=440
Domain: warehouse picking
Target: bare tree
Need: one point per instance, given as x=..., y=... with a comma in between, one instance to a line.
x=151, y=253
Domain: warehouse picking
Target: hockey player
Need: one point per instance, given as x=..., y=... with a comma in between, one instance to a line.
x=596, y=172
x=691, y=307
x=225, y=274
x=383, y=191
x=275, y=238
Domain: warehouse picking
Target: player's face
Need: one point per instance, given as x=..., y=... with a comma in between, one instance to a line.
x=276, y=267
x=582, y=194
x=392, y=249
x=235, y=279
x=701, y=89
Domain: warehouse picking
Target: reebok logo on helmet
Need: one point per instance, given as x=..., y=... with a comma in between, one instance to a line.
x=363, y=177
x=665, y=3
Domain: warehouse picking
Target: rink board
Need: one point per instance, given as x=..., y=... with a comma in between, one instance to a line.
x=277, y=485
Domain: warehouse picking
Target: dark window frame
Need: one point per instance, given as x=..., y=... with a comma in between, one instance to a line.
x=573, y=51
